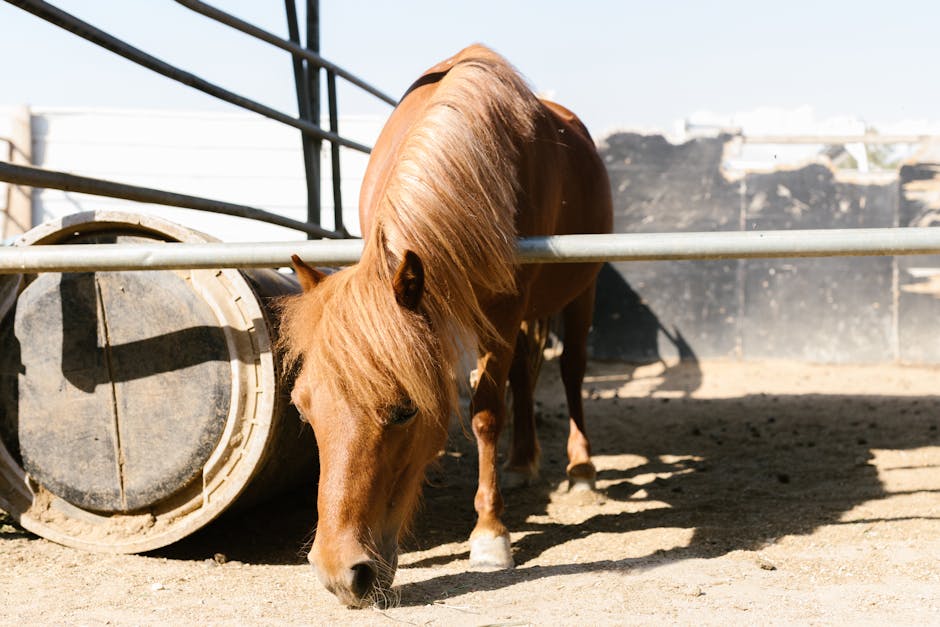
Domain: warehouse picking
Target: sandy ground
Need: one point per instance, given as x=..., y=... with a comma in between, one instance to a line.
x=729, y=493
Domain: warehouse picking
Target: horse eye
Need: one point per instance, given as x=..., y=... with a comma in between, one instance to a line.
x=403, y=413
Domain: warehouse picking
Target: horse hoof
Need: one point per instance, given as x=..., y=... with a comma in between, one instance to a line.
x=488, y=554
x=582, y=477
x=581, y=484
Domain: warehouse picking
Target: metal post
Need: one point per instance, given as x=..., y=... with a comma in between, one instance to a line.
x=334, y=154
x=313, y=93
x=19, y=211
x=311, y=148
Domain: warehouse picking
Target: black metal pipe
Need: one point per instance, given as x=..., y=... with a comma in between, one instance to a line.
x=291, y=46
x=50, y=179
x=313, y=70
x=311, y=150
x=313, y=94
x=69, y=22
x=334, y=153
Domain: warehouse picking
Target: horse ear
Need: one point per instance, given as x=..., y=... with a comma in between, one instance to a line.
x=409, y=281
x=309, y=277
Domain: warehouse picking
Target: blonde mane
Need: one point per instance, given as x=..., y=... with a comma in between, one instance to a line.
x=451, y=198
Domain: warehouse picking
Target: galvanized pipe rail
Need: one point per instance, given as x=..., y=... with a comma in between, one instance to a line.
x=867, y=138
x=554, y=249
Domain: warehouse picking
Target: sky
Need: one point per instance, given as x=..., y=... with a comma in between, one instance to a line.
x=618, y=64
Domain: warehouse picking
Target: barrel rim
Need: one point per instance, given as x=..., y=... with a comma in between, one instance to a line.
x=238, y=456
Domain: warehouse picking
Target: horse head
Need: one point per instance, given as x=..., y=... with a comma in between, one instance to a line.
x=372, y=387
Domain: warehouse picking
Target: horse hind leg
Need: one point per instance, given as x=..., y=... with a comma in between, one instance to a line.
x=523, y=463
x=577, y=322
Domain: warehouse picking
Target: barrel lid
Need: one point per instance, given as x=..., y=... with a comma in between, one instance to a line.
x=260, y=450
x=125, y=399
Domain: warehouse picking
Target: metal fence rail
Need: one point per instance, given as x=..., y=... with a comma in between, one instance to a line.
x=308, y=97
x=867, y=138
x=295, y=49
x=558, y=249
x=50, y=179
x=95, y=35
x=555, y=249
x=307, y=81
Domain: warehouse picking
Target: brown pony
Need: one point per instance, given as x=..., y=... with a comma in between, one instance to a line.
x=469, y=160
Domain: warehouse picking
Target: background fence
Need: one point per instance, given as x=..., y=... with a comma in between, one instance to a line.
x=740, y=304
x=307, y=65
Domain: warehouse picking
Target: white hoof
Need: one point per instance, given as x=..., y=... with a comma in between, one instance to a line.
x=582, y=477
x=581, y=484
x=490, y=553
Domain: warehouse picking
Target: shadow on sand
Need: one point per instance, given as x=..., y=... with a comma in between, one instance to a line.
x=738, y=473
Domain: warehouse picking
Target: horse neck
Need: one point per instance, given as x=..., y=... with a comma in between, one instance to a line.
x=445, y=182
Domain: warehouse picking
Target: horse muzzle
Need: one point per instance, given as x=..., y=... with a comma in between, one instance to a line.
x=359, y=581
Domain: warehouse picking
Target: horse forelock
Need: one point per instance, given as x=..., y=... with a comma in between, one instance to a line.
x=354, y=338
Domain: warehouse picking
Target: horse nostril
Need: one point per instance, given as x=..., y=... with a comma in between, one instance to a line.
x=363, y=579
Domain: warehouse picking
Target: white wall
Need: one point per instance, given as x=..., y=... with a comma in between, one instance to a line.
x=235, y=157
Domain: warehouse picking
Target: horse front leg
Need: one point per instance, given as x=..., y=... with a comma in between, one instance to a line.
x=489, y=541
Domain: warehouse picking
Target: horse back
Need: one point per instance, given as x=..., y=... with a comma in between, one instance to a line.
x=385, y=153
x=562, y=187
x=564, y=191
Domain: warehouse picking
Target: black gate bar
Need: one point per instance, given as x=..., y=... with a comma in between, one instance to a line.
x=50, y=179
x=291, y=46
x=307, y=85
x=334, y=153
x=311, y=148
x=312, y=83
x=69, y=22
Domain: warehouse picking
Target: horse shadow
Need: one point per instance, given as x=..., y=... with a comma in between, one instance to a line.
x=278, y=531
x=626, y=331
x=736, y=473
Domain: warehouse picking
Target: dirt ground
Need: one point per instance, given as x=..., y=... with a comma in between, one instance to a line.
x=734, y=493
